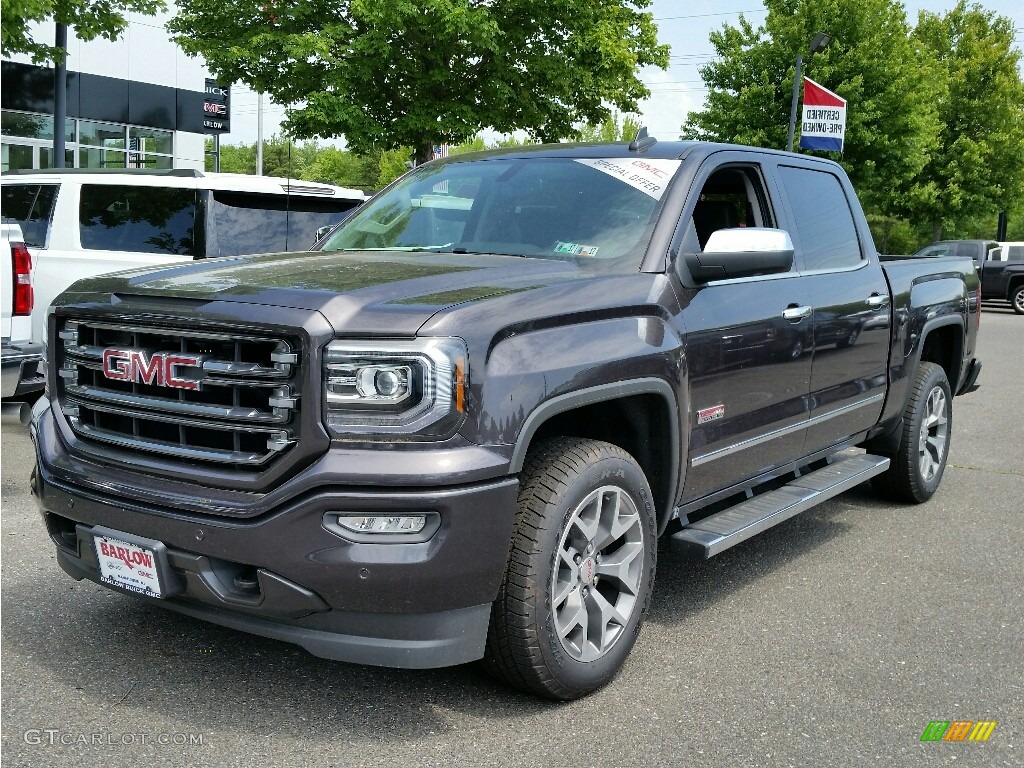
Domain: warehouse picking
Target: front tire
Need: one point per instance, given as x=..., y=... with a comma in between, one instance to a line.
x=916, y=468
x=580, y=573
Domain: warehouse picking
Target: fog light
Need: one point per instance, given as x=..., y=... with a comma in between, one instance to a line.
x=408, y=528
x=382, y=524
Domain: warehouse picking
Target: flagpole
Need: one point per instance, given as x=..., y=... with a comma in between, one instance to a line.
x=796, y=98
x=818, y=43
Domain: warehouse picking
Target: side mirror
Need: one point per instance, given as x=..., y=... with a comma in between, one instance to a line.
x=322, y=232
x=743, y=252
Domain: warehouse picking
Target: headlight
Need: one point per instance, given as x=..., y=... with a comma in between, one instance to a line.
x=414, y=388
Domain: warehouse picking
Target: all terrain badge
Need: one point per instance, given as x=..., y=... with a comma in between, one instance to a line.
x=710, y=414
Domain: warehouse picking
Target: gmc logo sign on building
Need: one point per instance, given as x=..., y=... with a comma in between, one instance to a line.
x=159, y=369
x=216, y=108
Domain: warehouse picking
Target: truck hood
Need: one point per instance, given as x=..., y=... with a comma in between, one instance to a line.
x=366, y=292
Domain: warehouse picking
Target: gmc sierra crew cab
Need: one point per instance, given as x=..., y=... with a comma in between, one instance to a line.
x=1002, y=275
x=458, y=429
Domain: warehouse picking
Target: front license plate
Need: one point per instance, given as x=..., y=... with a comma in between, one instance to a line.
x=128, y=566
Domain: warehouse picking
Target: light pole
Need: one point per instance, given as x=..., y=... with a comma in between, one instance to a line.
x=60, y=95
x=818, y=43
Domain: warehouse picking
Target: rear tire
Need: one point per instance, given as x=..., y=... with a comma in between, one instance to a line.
x=1017, y=299
x=916, y=468
x=580, y=573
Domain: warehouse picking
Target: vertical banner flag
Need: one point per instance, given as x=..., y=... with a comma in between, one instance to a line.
x=824, y=120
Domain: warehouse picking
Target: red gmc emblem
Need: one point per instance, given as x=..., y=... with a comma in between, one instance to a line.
x=158, y=368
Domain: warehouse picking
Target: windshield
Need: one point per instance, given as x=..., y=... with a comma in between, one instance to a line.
x=600, y=210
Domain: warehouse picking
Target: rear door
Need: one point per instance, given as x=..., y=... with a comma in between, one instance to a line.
x=850, y=295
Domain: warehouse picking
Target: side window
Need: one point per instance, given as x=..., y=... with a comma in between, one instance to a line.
x=936, y=252
x=248, y=222
x=138, y=219
x=731, y=197
x=1016, y=252
x=969, y=250
x=31, y=205
x=824, y=222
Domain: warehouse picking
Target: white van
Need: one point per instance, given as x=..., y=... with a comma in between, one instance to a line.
x=82, y=223
x=1007, y=252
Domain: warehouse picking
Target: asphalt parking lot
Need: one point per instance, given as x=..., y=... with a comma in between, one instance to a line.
x=831, y=640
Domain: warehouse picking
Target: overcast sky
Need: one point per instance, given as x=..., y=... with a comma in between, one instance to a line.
x=683, y=24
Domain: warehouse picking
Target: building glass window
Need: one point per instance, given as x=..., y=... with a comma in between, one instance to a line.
x=150, y=140
x=30, y=126
x=17, y=157
x=89, y=157
x=28, y=143
x=101, y=135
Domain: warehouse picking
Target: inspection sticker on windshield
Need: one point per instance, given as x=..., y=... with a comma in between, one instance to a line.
x=649, y=176
x=576, y=249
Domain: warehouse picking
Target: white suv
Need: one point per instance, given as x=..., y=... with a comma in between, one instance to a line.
x=80, y=224
x=19, y=358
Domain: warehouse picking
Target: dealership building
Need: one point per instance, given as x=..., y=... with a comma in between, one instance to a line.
x=137, y=102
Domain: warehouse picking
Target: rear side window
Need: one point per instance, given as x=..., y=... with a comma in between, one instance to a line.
x=969, y=250
x=1015, y=252
x=31, y=205
x=824, y=222
x=138, y=219
x=240, y=223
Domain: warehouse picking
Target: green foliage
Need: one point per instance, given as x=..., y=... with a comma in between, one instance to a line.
x=476, y=144
x=308, y=161
x=413, y=73
x=610, y=129
x=978, y=167
x=346, y=169
x=391, y=164
x=891, y=86
x=90, y=19
x=894, y=235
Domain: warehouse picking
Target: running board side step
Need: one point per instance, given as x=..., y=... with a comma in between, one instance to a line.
x=725, y=529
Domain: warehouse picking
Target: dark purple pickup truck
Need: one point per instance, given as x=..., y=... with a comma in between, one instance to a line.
x=458, y=430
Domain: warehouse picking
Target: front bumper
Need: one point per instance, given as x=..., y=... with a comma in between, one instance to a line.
x=283, y=575
x=19, y=369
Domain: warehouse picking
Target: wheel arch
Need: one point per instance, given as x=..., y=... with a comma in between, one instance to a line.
x=1014, y=283
x=942, y=343
x=641, y=416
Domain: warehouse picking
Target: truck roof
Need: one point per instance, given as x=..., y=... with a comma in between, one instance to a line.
x=661, y=150
x=189, y=178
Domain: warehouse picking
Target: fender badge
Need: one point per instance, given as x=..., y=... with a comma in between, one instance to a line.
x=710, y=414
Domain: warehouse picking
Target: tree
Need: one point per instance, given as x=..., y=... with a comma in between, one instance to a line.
x=393, y=73
x=978, y=167
x=609, y=129
x=890, y=84
x=346, y=169
x=90, y=18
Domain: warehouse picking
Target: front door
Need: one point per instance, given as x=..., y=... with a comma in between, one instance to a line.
x=748, y=344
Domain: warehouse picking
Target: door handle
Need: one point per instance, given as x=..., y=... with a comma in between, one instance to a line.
x=877, y=301
x=795, y=314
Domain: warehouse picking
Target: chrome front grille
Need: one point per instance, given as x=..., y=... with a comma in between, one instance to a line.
x=207, y=396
